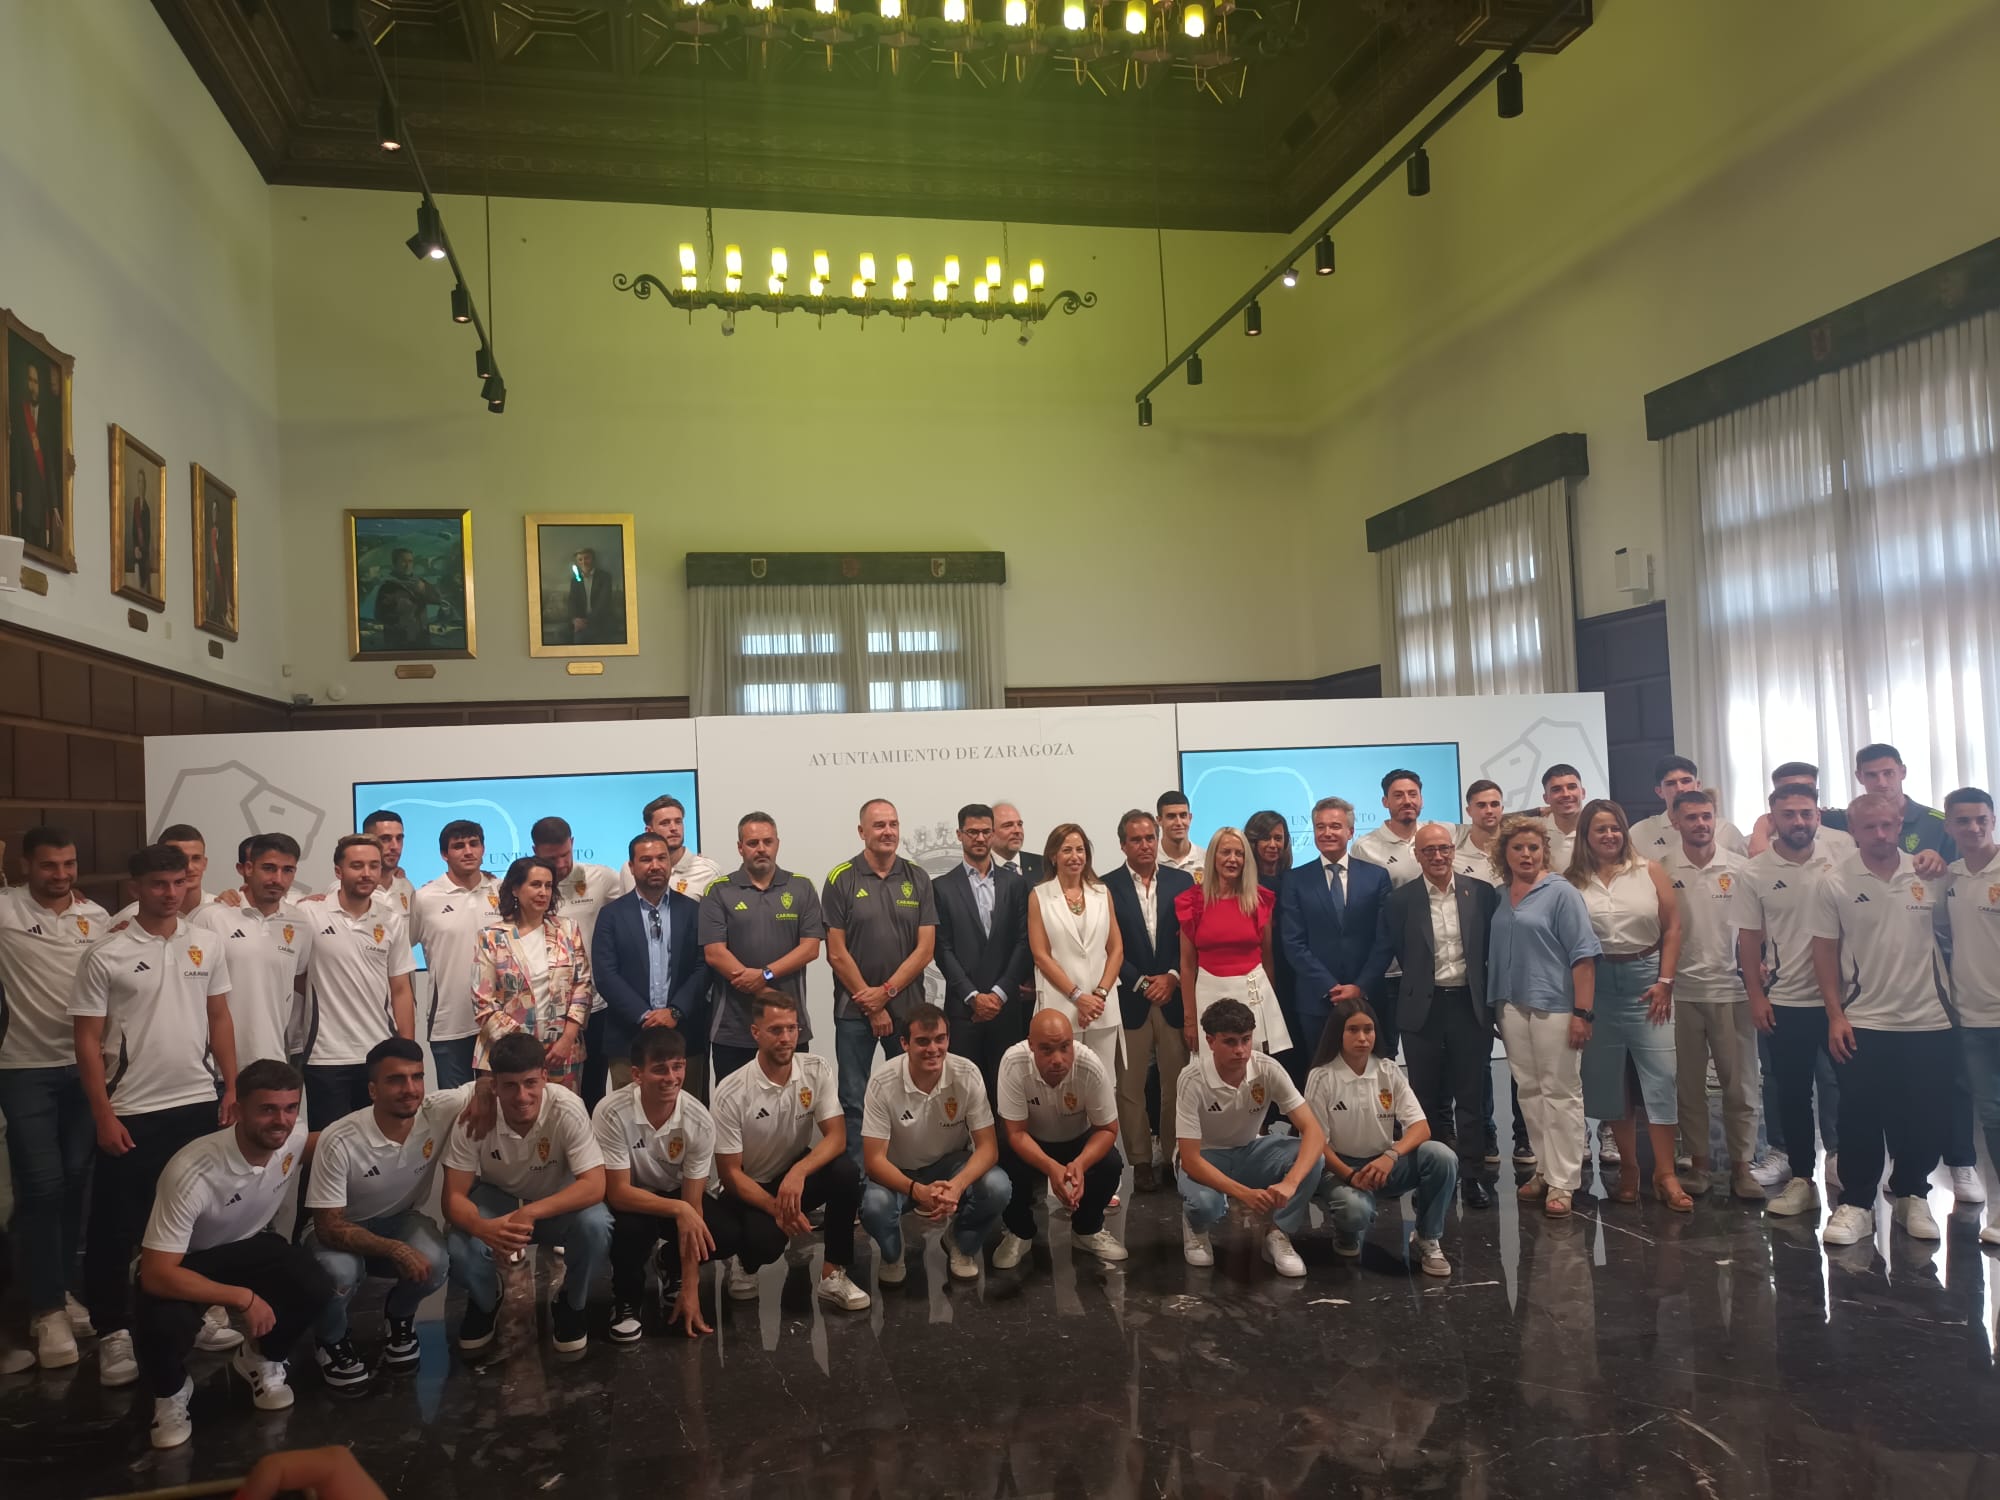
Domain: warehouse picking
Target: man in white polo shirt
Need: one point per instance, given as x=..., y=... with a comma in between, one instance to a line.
x=209, y=1241
x=927, y=1142
x=537, y=1179
x=1656, y=837
x=45, y=926
x=371, y=1179
x=688, y=873
x=1059, y=1110
x=1392, y=842
x=358, y=979
x=1484, y=808
x=583, y=890
x=1224, y=1095
x=1893, y=1039
x=446, y=917
x=267, y=939
x=392, y=888
x=186, y=838
x=1711, y=1016
x=781, y=1151
x=150, y=1009
x=1969, y=927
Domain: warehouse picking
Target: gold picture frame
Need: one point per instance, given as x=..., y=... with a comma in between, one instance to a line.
x=409, y=572
x=36, y=506
x=212, y=505
x=583, y=597
x=138, y=521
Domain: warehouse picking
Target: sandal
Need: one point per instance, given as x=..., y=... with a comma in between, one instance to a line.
x=1556, y=1205
x=1675, y=1198
x=1532, y=1189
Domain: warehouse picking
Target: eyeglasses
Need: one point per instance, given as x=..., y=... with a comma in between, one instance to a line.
x=654, y=918
x=1429, y=849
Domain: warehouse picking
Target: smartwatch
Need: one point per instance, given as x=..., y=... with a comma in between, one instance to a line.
x=769, y=977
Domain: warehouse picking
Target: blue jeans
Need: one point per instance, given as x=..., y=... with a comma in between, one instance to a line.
x=585, y=1237
x=1260, y=1164
x=50, y=1143
x=854, y=1048
x=453, y=1060
x=348, y=1270
x=882, y=1209
x=1430, y=1171
x=1982, y=1063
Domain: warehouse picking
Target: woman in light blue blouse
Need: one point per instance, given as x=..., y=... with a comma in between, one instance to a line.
x=1541, y=978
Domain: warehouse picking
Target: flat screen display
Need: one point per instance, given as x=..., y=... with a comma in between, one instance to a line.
x=1224, y=787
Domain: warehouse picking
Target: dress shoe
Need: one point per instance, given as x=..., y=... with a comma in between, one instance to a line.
x=1475, y=1193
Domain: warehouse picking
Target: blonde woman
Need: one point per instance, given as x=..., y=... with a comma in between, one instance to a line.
x=1226, y=934
x=1638, y=922
x=531, y=972
x=1541, y=979
x=1076, y=945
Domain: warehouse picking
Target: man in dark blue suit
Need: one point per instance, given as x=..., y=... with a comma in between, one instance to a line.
x=1149, y=987
x=982, y=948
x=1330, y=921
x=648, y=965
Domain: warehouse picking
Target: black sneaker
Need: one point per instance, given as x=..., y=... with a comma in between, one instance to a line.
x=401, y=1350
x=626, y=1327
x=568, y=1326
x=339, y=1366
x=668, y=1264
x=475, y=1331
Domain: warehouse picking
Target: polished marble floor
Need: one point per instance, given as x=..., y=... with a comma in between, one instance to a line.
x=1630, y=1351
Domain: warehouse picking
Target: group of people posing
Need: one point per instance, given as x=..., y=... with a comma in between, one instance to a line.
x=624, y=1072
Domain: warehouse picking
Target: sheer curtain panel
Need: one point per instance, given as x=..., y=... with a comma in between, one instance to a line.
x=1484, y=604
x=853, y=648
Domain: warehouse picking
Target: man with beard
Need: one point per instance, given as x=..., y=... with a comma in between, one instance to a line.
x=760, y=929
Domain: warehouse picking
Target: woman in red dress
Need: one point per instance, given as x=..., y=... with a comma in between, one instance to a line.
x=1226, y=941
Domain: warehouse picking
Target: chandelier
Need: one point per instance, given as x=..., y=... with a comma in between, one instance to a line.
x=985, y=301
x=1112, y=45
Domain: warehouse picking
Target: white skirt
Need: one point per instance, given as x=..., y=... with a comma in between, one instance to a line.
x=1254, y=990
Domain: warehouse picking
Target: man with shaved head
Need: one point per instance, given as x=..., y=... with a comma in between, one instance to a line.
x=1059, y=1121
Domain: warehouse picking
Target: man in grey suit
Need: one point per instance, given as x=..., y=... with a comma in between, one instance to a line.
x=1438, y=927
x=982, y=947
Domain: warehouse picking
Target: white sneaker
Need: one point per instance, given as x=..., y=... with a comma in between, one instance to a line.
x=1103, y=1244
x=116, y=1363
x=1849, y=1226
x=171, y=1426
x=1913, y=1214
x=216, y=1336
x=1279, y=1252
x=1990, y=1235
x=1607, y=1144
x=964, y=1267
x=889, y=1272
x=1195, y=1249
x=834, y=1287
x=1772, y=1168
x=79, y=1318
x=742, y=1283
x=1011, y=1251
x=1799, y=1197
x=1430, y=1256
x=269, y=1389
x=1966, y=1186
x=55, y=1341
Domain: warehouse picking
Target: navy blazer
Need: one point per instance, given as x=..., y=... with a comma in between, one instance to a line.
x=975, y=961
x=619, y=962
x=1142, y=958
x=1326, y=949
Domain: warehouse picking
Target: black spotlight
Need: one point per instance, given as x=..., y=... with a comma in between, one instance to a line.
x=1507, y=92
x=1419, y=171
x=485, y=362
x=461, y=304
x=1323, y=256
x=1145, y=411
x=1253, y=319
x=495, y=392
x=1194, y=369
x=428, y=241
x=1290, y=276
x=387, y=129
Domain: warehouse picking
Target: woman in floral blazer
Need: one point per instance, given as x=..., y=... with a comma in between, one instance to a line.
x=531, y=972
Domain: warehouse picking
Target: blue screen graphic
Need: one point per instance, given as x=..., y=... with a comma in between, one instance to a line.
x=602, y=809
x=1224, y=787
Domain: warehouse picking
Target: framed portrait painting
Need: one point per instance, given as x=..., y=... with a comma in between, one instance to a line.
x=409, y=585
x=213, y=504
x=138, y=521
x=582, y=594
x=37, y=451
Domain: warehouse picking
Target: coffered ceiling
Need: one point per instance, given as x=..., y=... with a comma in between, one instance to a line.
x=662, y=101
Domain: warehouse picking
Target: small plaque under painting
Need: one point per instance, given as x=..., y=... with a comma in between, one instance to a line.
x=136, y=620
x=585, y=669
x=215, y=649
x=35, y=581
x=410, y=669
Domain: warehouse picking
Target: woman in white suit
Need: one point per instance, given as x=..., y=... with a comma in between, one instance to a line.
x=1076, y=946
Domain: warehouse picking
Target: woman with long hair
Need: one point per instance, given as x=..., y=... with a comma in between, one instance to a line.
x=531, y=972
x=1541, y=979
x=1638, y=923
x=1226, y=935
x=1270, y=839
x=1076, y=945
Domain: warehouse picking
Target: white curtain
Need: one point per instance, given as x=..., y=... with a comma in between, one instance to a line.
x=1833, y=569
x=1483, y=605
x=857, y=648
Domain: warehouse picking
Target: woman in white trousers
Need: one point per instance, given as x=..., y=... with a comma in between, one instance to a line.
x=1076, y=945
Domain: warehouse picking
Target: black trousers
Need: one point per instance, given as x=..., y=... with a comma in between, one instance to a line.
x=1895, y=1091
x=633, y=1236
x=121, y=1200
x=985, y=1041
x=288, y=1278
x=1387, y=1033
x=333, y=1090
x=755, y=1239
x=596, y=1066
x=1449, y=1058
x=1099, y=1183
x=1797, y=1045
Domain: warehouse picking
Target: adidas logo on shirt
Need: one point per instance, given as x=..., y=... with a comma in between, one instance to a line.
x=1777, y=885
x=741, y=906
x=234, y=1198
x=1863, y=896
x=142, y=967
x=237, y=933
x=1680, y=885
x=1214, y=1107
x=763, y=1114
x=495, y=1155
x=1339, y=1106
x=908, y=1118
x=372, y=1172
x=327, y=931
x=36, y=930
x=446, y=907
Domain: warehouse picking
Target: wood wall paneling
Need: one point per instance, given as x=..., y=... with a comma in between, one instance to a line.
x=1624, y=657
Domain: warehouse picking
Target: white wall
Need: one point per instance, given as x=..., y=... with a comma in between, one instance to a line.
x=135, y=234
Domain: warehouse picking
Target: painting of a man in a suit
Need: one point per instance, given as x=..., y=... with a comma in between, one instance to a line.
x=36, y=457
x=140, y=558
x=218, y=582
x=403, y=603
x=596, y=607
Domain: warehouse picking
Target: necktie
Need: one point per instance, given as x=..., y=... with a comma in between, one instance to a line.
x=1335, y=888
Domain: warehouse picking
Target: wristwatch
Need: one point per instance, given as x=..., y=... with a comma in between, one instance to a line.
x=769, y=977
x=1585, y=1015
x=890, y=990
x=1100, y=991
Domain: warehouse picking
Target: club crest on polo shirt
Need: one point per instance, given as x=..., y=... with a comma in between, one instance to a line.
x=786, y=901
x=1257, y=1094
x=1993, y=895
x=285, y=1166
x=379, y=930
x=1916, y=894
x=805, y=1098
x=194, y=955
x=289, y=930
x=908, y=889
x=542, y=1149
x=83, y=923
x=580, y=882
x=951, y=1106
x=493, y=899
x=1069, y=1100
x=1725, y=880
x=675, y=1146
x=429, y=1142
x=1385, y=1098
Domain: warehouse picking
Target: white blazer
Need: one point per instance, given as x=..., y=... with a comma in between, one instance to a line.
x=1079, y=945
